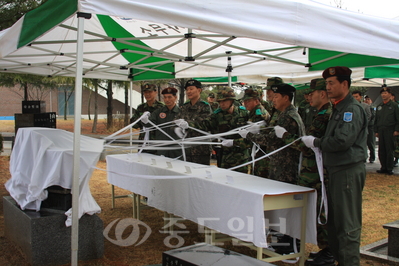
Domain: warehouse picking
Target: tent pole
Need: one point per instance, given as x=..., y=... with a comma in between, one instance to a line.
x=229, y=68
x=76, y=143
x=131, y=110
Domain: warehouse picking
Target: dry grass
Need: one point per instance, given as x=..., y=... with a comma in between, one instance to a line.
x=380, y=207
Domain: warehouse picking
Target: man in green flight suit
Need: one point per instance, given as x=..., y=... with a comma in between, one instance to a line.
x=309, y=174
x=344, y=155
x=151, y=104
x=163, y=115
x=386, y=127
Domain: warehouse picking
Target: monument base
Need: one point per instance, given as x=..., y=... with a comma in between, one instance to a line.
x=45, y=240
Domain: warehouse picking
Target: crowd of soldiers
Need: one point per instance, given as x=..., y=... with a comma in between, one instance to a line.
x=330, y=119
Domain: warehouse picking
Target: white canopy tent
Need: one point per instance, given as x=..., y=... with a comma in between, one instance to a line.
x=141, y=39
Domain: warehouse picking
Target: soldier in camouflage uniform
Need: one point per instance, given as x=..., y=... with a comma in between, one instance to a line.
x=284, y=164
x=151, y=104
x=269, y=94
x=226, y=118
x=306, y=111
x=309, y=174
x=212, y=101
x=256, y=113
x=195, y=110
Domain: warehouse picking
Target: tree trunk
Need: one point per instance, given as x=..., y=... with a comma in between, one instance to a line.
x=94, y=129
x=109, y=106
x=88, y=104
x=65, y=104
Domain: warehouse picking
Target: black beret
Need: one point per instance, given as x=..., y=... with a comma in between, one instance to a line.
x=340, y=71
x=283, y=88
x=193, y=82
x=169, y=90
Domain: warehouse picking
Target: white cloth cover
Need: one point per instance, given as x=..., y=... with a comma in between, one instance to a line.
x=43, y=157
x=226, y=201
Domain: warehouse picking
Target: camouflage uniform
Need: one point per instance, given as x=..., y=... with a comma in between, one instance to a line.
x=221, y=121
x=196, y=113
x=257, y=114
x=214, y=105
x=283, y=165
x=309, y=174
x=267, y=105
x=307, y=113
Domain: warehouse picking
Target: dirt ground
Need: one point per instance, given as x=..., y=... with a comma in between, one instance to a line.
x=380, y=207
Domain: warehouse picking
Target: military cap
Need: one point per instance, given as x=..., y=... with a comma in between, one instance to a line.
x=250, y=94
x=385, y=88
x=283, y=88
x=273, y=81
x=211, y=95
x=340, y=71
x=193, y=82
x=149, y=87
x=169, y=90
x=226, y=93
x=366, y=96
x=317, y=84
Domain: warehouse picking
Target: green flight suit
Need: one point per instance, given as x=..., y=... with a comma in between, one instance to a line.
x=164, y=115
x=386, y=122
x=344, y=154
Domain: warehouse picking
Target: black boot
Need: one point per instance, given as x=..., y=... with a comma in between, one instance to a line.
x=323, y=258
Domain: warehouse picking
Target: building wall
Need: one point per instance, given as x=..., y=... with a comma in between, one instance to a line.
x=11, y=102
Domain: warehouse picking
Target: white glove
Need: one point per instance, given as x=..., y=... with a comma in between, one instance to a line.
x=279, y=131
x=181, y=123
x=243, y=133
x=179, y=132
x=228, y=142
x=254, y=128
x=308, y=141
x=145, y=116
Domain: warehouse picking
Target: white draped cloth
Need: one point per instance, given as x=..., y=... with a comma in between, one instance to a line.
x=226, y=201
x=43, y=157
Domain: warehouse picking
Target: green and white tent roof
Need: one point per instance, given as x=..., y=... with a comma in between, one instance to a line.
x=177, y=38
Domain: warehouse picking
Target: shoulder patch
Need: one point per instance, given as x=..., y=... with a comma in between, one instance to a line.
x=258, y=112
x=348, y=116
x=205, y=102
x=242, y=107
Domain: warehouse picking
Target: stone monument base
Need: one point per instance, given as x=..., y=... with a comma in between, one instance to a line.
x=45, y=240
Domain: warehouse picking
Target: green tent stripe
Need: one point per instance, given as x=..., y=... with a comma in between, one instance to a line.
x=382, y=72
x=45, y=17
x=114, y=30
x=217, y=79
x=349, y=60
